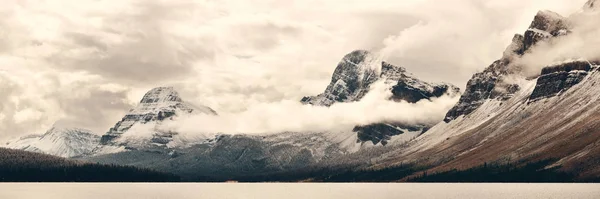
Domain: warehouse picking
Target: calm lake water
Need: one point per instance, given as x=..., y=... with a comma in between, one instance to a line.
x=290, y=190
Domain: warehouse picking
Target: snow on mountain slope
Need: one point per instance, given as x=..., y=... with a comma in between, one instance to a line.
x=63, y=142
x=496, y=81
x=506, y=117
x=158, y=104
x=562, y=126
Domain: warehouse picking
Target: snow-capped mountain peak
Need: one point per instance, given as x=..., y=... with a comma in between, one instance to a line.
x=350, y=80
x=64, y=142
x=495, y=81
x=358, y=70
x=546, y=24
x=165, y=99
x=158, y=104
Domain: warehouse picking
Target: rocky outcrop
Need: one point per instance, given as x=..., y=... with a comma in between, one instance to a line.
x=158, y=104
x=559, y=78
x=492, y=82
x=376, y=133
x=489, y=84
x=382, y=132
x=352, y=79
x=546, y=24
x=405, y=91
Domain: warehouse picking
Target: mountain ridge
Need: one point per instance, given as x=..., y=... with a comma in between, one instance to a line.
x=549, y=117
x=493, y=82
x=62, y=142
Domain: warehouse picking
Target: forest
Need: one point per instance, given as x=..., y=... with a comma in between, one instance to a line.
x=535, y=171
x=23, y=166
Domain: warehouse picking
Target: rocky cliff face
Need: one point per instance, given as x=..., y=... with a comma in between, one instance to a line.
x=358, y=70
x=63, y=142
x=352, y=79
x=383, y=132
x=555, y=79
x=546, y=24
x=489, y=84
x=492, y=82
x=158, y=104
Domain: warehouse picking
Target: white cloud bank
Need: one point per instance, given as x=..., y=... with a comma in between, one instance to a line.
x=84, y=63
x=292, y=116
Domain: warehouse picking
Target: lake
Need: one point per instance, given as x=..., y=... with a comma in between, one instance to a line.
x=295, y=190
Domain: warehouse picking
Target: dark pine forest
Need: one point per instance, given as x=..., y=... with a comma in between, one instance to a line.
x=23, y=166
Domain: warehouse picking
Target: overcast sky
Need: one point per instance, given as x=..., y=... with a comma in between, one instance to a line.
x=85, y=63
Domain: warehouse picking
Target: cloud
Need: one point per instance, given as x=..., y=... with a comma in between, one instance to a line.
x=457, y=38
x=581, y=43
x=292, y=116
x=33, y=104
x=58, y=57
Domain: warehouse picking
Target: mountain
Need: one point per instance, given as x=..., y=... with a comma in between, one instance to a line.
x=63, y=142
x=352, y=79
x=358, y=70
x=158, y=104
x=506, y=117
x=495, y=82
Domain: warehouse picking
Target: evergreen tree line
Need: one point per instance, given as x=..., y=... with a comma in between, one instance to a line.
x=23, y=166
x=533, y=172
x=335, y=174
x=507, y=172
